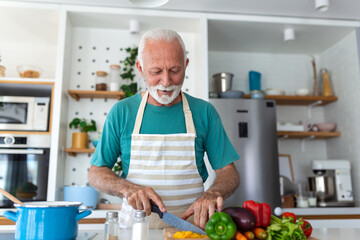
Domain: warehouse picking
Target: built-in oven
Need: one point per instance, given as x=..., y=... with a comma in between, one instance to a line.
x=24, y=167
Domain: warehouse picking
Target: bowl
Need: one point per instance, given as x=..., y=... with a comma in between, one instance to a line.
x=302, y=92
x=28, y=71
x=232, y=94
x=325, y=127
x=274, y=91
x=223, y=81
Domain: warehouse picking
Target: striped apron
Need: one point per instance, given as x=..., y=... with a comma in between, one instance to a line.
x=166, y=163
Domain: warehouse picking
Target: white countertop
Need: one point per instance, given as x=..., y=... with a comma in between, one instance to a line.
x=319, y=233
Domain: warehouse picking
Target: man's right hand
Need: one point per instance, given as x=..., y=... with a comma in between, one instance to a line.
x=139, y=198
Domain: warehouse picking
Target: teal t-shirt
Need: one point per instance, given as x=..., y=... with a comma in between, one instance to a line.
x=210, y=134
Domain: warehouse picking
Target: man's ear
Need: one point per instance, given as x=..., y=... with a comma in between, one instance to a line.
x=187, y=62
x=139, y=68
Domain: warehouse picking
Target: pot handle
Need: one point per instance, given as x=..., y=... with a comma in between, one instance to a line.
x=11, y=215
x=83, y=214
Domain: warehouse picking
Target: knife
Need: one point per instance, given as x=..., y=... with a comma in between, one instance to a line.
x=175, y=221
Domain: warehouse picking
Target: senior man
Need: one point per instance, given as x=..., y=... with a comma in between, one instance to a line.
x=161, y=136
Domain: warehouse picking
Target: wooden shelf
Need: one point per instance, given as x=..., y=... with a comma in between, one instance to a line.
x=297, y=100
x=77, y=94
x=72, y=152
x=25, y=132
x=308, y=134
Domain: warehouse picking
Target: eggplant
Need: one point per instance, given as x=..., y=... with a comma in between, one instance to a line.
x=243, y=218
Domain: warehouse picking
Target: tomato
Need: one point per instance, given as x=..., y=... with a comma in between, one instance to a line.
x=307, y=228
x=289, y=215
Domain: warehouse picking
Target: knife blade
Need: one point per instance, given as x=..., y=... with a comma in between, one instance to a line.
x=175, y=221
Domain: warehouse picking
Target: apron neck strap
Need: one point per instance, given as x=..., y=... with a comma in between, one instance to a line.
x=190, y=128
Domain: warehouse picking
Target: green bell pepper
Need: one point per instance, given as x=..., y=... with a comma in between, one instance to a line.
x=220, y=227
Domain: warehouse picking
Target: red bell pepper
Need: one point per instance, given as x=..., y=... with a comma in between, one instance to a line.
x=261, y=211
x=307, y=228
x=289, y=215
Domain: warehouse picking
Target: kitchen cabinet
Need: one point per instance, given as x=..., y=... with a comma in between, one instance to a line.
x=73, y=42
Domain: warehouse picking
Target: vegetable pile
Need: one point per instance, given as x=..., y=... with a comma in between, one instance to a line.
x=254, y=221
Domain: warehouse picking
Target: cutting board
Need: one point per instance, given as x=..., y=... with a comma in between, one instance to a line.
x=169, y=232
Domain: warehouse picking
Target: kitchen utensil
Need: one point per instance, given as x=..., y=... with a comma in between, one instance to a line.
x=85, y=194
x=332, y=183
x=302, y=92
x=232, y=94
x=325, y=127
x=254, y=80
x=11, y=197
x=28, y=71
x=46, y=220
x=323, y=186
x=175, y=221
x=223, y=81
x=274, y=91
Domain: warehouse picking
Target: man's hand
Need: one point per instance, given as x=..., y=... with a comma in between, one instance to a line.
x=226, y=182
x=204, y=207
x=140, y=198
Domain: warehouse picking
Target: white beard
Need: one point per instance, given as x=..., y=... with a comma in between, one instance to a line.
x=164, y=99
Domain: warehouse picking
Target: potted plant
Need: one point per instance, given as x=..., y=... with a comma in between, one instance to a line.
x=80, y=139
x=128, y=75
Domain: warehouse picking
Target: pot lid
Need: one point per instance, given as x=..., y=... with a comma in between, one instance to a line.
x=49, y=204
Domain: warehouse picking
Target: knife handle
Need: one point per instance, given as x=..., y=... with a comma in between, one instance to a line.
x=156, y=209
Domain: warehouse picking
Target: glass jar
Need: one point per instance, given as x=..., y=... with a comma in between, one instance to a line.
x=111, y=226
x=114, y=75
x=140, y=229
x=101, y=81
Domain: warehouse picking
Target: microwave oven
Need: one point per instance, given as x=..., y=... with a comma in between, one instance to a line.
x=24, y=113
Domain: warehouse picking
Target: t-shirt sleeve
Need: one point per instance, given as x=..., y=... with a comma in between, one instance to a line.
x=108, y=148
x=219, y=149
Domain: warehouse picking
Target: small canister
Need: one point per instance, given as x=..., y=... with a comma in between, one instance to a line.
x=101, y=81
x=114, y=76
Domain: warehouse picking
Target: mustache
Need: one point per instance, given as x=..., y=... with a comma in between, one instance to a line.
x=163, y=88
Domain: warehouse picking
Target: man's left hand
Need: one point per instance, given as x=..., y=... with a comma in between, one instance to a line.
x=204, y=207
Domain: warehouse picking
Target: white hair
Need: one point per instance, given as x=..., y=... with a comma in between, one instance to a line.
x=159, y=35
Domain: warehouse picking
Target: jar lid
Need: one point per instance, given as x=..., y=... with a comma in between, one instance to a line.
x=112, y=215
x=140, y=213
x=115, y=66
x=101, y=73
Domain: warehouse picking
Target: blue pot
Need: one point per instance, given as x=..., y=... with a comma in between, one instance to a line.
x=47, y=220
x=85, y=194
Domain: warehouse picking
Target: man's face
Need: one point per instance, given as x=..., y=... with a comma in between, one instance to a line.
x=163, y=69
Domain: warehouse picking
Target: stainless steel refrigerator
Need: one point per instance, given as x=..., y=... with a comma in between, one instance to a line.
x=251, y=127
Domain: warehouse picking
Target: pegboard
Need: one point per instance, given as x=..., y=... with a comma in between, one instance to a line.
x=95, y=50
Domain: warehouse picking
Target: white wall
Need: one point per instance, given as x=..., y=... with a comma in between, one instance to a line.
x=343, y=64
x=287, y=72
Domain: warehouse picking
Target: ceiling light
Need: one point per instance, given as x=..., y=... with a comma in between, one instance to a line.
x=289, y=34
x=149, y=3
x=134, y=26
x=322, y=5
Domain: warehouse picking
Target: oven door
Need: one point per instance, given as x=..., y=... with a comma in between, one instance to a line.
x=24, y=173
x=16, y=113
